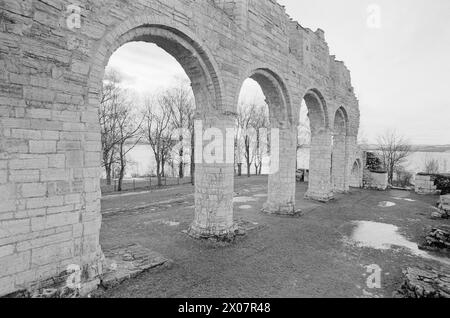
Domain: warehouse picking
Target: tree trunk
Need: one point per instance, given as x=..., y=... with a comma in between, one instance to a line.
x=158, y=172
x=108, y=175
x=240, y=169
x=181, y=166
x=121, y=176
x=122, y=168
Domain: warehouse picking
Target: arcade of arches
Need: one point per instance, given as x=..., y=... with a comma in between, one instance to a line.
x=51, y=73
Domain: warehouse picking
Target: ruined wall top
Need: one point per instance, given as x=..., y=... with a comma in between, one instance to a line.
x=307, y=46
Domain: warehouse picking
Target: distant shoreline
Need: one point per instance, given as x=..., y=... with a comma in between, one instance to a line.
x=439, y=149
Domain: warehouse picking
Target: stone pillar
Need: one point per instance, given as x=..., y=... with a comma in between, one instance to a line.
x=351, y=149
x=281, y=195
x=214, y=179
x=339, y=164
x=320, y=188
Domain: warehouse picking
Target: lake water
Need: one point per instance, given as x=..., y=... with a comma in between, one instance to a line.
x=142, y=161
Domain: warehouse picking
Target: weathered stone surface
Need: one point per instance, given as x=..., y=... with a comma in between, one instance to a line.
x=128, y=262
x=51, y=73
x=425, y=283
x=444, y=204
x=438, y=239
x=375, y=180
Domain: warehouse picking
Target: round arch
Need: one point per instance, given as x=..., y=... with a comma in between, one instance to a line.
x=317, y=110
x=178, y=41
x=356, y=174
x=274, y=89
x=341, y=122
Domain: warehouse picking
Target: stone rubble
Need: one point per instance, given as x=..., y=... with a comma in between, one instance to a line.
x=443, y=208
x=424, y=283
x=444, y=203
x=437, y=240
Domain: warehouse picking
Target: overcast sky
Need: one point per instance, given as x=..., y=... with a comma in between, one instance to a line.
x=400, y=71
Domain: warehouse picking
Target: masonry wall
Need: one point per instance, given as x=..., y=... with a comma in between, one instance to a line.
x=425, y=184
x=375, y=180
x=50, y=78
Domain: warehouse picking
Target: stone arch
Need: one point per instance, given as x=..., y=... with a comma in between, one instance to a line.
x=341, y=122
x=339, y=166
x=320, y=155
x=356, y=174
x=177, y=40
x=317, y=110
x=281, y=189
x=277, y=94
x=213, y=214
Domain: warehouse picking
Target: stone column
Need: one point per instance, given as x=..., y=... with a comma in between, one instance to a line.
x=351, y=148
x=320, y=188
x=339, y=164
x=281, y=195
x=214, y=179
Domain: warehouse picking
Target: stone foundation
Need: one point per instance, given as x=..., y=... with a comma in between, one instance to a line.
x=375, y=180
x=287, y=210
x=425, y=184
x=319, y=196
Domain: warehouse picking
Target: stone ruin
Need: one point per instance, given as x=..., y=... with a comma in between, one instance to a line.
x=437, y=240
x=442, y=211
x=52, y=62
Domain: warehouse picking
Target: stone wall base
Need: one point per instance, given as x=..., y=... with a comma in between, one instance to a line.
x=60, y=286
x=321, y=197
x=281, y=210
x=211, y=234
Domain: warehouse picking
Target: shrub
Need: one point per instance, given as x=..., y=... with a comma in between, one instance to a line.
x=373, y=163
x=442, y=182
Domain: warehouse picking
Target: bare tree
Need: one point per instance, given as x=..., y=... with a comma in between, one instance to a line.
x=179, y=103
x=432, y=166
x=112, y=98
x=260, y=122
x=394, y=151
x=128, y=134
x=244, y=123
x=158, y=132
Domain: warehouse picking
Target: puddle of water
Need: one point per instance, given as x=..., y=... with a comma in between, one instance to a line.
x=243, y=199
x=382, y=236
x=245, y=207
x=386, y=204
